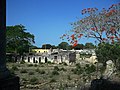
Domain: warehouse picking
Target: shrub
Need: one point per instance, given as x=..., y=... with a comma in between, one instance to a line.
x=61, y=87
x=42, y=72
x=64, y=63
x=35, y=65
x=34, y=80
x=49, y=62
x=37, y=70
x=22, y=62
x=63, y=69
x=56, y=68
x=89, y=69
x=12, y=72
x=30, y=65
x=41, y=63
x=106, y=51
x=74, y=71
x=23, y=71
x=78, y=65
x=31, y=73
x=68, y=77
x=55, y=72
x=24, y=79
x=14, y=68
x=52, y=80
x=77, y=71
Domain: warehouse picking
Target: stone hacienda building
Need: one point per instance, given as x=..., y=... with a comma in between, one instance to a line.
x=57, y=56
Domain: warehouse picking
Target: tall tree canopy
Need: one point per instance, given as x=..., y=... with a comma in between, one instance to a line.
x=63, y=45
x=102, y=25
x=18, y=40
x=79, y=47
x=46, y=46
x=89, y=46
x=106, y=51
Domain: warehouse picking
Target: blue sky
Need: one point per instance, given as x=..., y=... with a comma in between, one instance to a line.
x=49, y=19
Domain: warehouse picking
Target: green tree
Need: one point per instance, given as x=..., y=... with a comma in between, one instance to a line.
x=18, y=40
x=70, y=47
x=54, y=47
x=106, y=51
x=63, y=45
x=89, y=46
x=79, y=46
x=46, y=46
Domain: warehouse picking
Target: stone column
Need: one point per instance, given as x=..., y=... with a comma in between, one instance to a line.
x=3, y=70
x=7, y=81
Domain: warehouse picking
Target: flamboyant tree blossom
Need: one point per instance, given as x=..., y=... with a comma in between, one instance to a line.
x=102, y=25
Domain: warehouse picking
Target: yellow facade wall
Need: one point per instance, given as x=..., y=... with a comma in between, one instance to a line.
x=40, y=50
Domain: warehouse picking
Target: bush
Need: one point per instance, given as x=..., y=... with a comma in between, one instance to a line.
x=35, y=65
x=23, y=71
x=31, y=73
x=22, y=62
x=37, y=70
x=49, y=62
x=14, y=68
x=34, y=80
x=41, y=63
x=30, y=65
x=68, y=77
x=12, y=72
x=24, y=79
x=61, y=87
x=78, y=65
x=90, y=69
x=41, y=71
x=55, y=72
x=56, y=68
x=64, y=63
x=77, y=70
x=63, y=69
x=106, y=51
x=52, y=80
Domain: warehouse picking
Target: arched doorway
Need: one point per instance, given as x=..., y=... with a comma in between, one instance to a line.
x=28, y=59
x=39, y=59
x=33, y=59
x=45, y=59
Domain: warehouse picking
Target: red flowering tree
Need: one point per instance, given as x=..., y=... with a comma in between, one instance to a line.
x=102, y=25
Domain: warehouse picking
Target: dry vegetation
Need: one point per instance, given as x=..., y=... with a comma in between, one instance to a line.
x=52, y=76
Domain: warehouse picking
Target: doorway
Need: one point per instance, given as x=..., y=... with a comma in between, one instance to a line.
x=45, y=59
